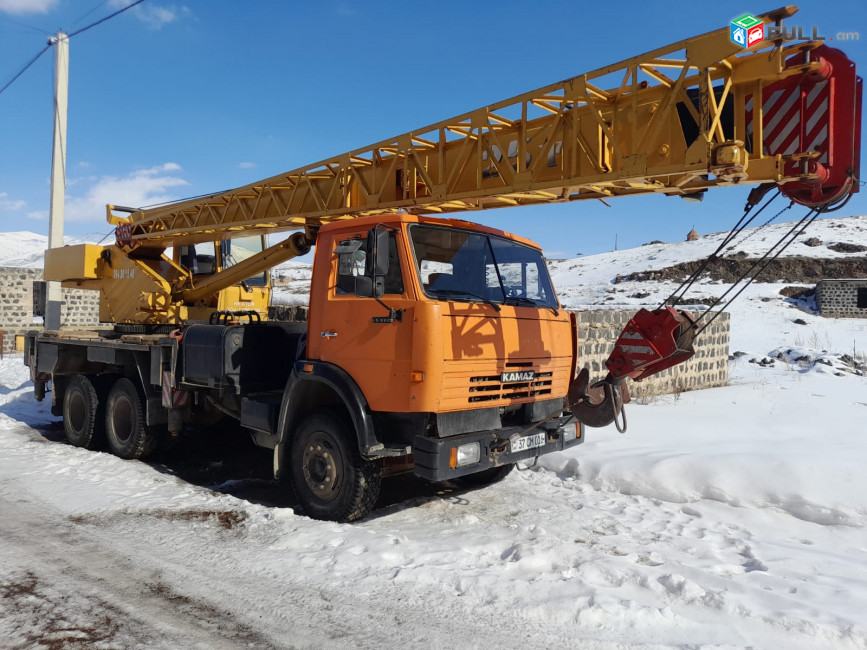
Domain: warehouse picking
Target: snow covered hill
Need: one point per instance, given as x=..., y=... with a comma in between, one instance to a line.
x=728, y=518
x=28, y=249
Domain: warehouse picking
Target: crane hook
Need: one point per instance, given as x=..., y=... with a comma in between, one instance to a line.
x=600, y=404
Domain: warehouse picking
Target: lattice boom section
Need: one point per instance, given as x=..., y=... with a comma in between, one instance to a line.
x=647, y=124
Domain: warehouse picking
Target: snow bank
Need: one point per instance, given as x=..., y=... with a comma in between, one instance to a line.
x=775, y=440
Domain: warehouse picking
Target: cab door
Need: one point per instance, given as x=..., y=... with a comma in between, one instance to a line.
x=357, y=333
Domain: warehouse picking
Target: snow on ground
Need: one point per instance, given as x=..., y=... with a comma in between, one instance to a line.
x=731, y=517
x=291, y=283
x=726, y=518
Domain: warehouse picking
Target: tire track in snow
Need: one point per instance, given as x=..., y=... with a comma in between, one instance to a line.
x=63, y=586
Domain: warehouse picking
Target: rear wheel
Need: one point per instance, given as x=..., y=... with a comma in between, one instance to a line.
x=330, y=478
x=487, y=477
x=82, y=414
x=128, y=436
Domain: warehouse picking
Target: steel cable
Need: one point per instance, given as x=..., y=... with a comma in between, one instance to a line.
x=734, y=232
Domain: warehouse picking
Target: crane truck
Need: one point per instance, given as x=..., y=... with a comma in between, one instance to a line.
x=433, y=345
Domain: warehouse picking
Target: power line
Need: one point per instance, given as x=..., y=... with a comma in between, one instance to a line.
x=68, y=36
x=30, y=27
x=24, y=69
x=109, y=17
x=99, y=5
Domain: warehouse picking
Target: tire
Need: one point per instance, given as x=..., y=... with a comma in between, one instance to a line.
x=127, y=434
x=83, y=419
x=330, y=478
x=487, y=477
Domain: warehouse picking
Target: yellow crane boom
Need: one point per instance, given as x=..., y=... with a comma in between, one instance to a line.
x=571, y=140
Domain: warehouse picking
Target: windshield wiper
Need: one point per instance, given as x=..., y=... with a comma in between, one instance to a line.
x=461, y=292
x=518, y=300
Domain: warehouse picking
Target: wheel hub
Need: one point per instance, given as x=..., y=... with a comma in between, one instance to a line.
x=77, y=411
x=322, y=466
x=122, y=418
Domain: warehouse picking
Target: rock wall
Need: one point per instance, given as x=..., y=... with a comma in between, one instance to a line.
x=290, y=313
x=22, y=304
x=598, y=331
x=842, y=298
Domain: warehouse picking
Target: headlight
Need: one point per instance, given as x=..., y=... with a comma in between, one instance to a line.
x=468, y=454
x=570, y=431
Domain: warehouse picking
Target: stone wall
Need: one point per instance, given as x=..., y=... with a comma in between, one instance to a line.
x=16, y=303
x=290, y=313
x=80, y=308
x=16, y=295
x=842, y=298
x=598, y=331
x=22, y=304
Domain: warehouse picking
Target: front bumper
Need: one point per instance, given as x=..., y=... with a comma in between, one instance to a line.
x=433, y=456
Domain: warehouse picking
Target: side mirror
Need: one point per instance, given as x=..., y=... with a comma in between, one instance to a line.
x=376, y=264
x=367, y=287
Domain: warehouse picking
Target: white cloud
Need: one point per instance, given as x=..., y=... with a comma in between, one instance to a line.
x=72, y=181
x=247, y=165
x=37, y=215
x=27, y=6
x=152, y=15
x=11, y=205
x=140, y=188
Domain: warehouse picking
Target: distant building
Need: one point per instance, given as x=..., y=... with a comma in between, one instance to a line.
x=692, y=236
x=843, y=297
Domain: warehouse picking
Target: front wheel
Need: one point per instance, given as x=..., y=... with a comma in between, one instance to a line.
x=128, y=435
x=330, y=478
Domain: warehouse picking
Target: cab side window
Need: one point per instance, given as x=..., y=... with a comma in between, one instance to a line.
x=351, y=258
x=352, y=255
x=196, y=263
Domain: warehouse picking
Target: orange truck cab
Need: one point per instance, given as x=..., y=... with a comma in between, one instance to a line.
x=447, y=340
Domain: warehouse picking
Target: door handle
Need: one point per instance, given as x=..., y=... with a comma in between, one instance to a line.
x=329, y=334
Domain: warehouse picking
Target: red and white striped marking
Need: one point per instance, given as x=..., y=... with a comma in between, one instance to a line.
x=173, y=397
x=795, y=120
x=816, y=129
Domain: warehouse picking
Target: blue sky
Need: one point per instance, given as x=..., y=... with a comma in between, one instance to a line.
x=173, y=99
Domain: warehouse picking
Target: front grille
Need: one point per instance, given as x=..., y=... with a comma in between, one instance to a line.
x=490, y=389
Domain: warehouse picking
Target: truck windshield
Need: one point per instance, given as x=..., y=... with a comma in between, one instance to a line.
x=469, y=266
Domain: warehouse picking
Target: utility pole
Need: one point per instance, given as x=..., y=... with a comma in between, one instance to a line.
x=53, y=296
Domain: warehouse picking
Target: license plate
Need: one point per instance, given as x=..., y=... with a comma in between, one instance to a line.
x=528, y=442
